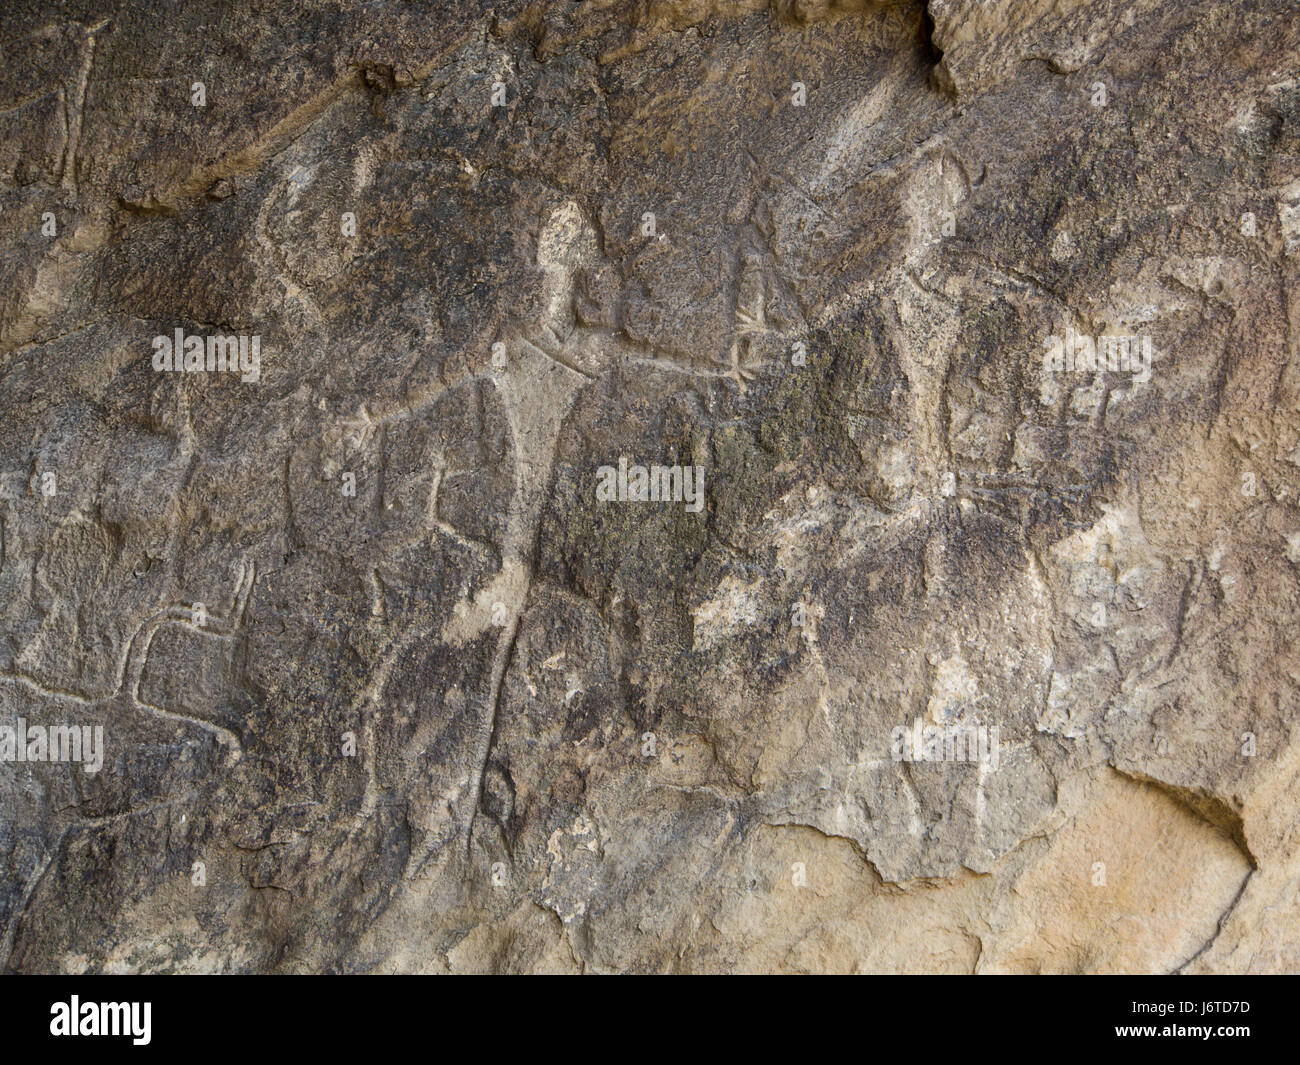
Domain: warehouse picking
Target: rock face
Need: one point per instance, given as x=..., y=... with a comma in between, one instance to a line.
x=961, y=635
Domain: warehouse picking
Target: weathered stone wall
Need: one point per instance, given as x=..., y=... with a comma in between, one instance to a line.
x=390, y=675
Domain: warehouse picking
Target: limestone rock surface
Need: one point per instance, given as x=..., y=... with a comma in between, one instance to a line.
x=970, y=331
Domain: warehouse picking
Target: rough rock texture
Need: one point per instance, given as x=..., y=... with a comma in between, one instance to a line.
x=386, y=685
